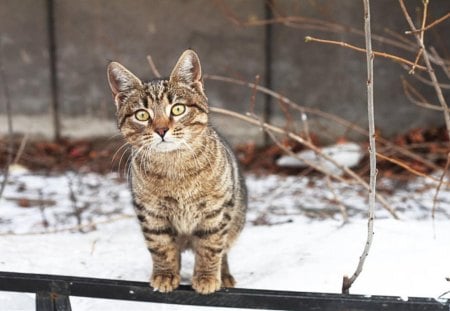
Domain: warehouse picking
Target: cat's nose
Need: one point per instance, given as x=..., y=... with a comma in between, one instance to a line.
x=161, y=131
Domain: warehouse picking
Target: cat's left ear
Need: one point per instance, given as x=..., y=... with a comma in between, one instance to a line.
x=188, y=70
x=121, y=79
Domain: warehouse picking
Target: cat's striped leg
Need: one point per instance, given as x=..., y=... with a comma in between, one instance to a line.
x=209, y=248
x=160, y=238
x=166, y=259
x=165, y=254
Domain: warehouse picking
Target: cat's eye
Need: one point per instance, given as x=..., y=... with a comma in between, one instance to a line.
x=178, y=109
x=142, y=115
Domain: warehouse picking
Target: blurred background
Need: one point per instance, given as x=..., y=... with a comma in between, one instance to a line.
x=54, y=55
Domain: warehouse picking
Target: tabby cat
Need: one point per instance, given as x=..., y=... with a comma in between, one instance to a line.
x=187, y=190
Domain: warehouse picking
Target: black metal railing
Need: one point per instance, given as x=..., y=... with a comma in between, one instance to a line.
x=53, y=292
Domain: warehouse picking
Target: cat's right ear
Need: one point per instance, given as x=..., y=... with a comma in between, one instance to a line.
x=121, y=80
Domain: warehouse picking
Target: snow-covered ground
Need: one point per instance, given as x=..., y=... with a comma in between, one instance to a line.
x=83, y=225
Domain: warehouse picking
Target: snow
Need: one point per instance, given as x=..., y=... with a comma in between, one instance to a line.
x=346, y=154
x=294, y=238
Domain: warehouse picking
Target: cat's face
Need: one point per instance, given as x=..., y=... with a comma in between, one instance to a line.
x=162, y=115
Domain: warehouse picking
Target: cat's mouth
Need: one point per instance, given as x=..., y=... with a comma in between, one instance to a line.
x=166, y=146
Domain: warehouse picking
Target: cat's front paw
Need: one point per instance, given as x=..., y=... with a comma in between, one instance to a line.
x=164, y=282
x=205, y=284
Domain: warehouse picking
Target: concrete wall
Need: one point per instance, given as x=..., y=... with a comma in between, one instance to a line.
x=89, y=33
x=333, y=78
x=23, y=35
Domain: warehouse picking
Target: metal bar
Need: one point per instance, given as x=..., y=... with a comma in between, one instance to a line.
x=236, y=298
x=56, y=299
x=62, y=303
x=44, y=301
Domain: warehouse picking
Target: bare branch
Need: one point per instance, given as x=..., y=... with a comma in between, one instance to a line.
x=438, y=188
x=325, y=115
x=428, y=82
x=297, y=138
x=381, y=54
x=424, y=18
x=253, y=96
x=408, y=168
x=444, y=64
x=438, y=21
x=416, y=98
x=341, y=206
x=153, y=67
x=19, y=153
x=348, y=282
x=430, y=69
x=4, y=83
x=303, y=22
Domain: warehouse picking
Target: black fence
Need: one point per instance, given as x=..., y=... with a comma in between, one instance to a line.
x=53, y=292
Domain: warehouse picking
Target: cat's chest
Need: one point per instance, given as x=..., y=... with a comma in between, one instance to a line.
x=182, y=201
x=183, y=213
x=182, y=207
x=185, y=221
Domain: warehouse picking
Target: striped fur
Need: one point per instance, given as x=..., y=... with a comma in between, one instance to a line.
x=187, y=189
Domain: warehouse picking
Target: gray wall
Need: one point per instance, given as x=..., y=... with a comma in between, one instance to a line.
x=89, y=33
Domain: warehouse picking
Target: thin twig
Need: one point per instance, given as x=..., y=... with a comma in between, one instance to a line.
x=428, y=82
x=399, y=37
x=302, y=22
x=22, y=145
x=305, y=125
x=318, y=168
x=4, y=83
x=412, y=93
x=348, y=282
x=434, y=80
x=438, y=21
x=424, y=18
x=153, y=67
x=381, y=54
x=407, y=167
x=77, y=212
x=290, y=122
x=325, y=115
x=253, y=96
x=339, y=203
x=297, y=138
x=438, y=188
x=430, y=69
x=444, y=64
x=416, y=62
x=300, y=158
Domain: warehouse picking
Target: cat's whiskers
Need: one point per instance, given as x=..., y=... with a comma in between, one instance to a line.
x=126, y=144
x=147, y=152
x=145, y=157
x=141, y=160
x=115, y=136
x=129, y=168
x=129, y=156
x=117, y=151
